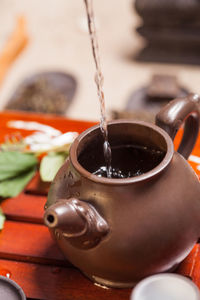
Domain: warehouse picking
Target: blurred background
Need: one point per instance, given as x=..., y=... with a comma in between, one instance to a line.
x=57, y=40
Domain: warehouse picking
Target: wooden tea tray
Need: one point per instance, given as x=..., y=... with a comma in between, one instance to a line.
x=28, y=254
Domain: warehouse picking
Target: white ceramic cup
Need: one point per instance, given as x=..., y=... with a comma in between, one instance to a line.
x=165, y=287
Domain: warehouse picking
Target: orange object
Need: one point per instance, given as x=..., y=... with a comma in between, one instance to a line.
x=27, y=251
x=13, y=47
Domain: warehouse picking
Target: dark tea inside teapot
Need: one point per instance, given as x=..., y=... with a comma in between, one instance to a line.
x=127, y=160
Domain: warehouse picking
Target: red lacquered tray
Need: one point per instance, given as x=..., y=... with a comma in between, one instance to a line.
x=27, y=253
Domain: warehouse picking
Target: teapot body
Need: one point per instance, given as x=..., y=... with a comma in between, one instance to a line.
x=153, y=220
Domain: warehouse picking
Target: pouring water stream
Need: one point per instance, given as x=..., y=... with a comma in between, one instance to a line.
x=99, y=84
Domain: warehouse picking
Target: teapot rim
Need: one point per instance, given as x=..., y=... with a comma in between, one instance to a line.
x=122, y=181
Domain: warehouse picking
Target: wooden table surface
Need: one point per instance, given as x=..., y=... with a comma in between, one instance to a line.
x=30, y=257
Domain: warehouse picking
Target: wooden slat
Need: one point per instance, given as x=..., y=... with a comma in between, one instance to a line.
x=196, y=150
x=53, y=283
x=60, y=123
x=196, y=267
x=29, y=242
x=187, y=266
x=24, y=207
x=62, y=283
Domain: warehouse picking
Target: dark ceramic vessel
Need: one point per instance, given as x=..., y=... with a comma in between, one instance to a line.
x=117, y=231
x=170, y=29
x=168, y=13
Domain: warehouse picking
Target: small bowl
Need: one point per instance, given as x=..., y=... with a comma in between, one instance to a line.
x=10, y=290
x=45, y=92
x=165, y=287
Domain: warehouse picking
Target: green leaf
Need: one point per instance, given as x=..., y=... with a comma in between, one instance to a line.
x=2, y=219
x=13, y=186
x=50, y=164
x=13, y=163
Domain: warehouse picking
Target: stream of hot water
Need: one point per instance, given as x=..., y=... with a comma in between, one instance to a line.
x=99, y=84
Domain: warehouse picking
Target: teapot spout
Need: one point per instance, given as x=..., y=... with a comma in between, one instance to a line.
x=63, y=215
x=78, y=222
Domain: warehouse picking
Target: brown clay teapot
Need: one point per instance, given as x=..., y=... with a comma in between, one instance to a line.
x=117, y=231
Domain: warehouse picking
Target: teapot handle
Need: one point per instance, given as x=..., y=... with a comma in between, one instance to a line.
x=174, y=114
